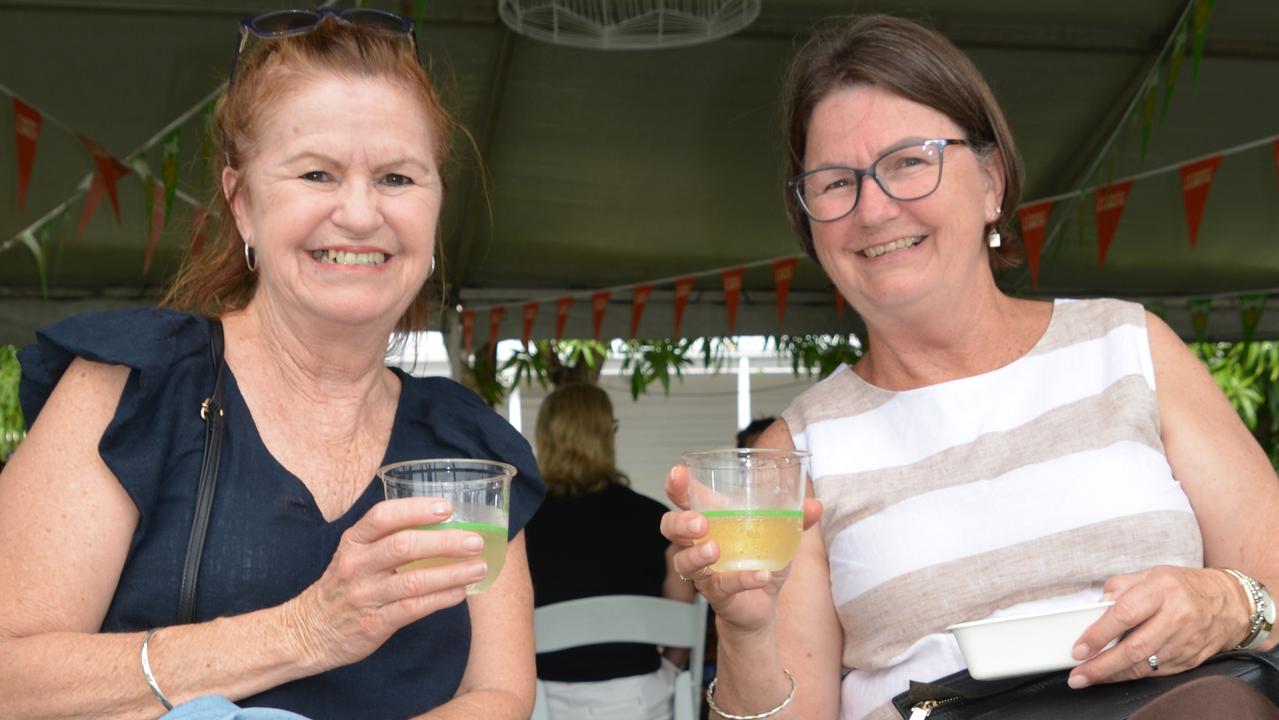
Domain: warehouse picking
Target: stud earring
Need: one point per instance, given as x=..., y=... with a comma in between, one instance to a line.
x=250, y=257
x=431, y=272
x=993, y=239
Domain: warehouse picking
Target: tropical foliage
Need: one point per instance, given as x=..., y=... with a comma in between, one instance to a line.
x=12, y=428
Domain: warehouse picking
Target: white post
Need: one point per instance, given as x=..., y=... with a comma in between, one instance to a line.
x=743, y=392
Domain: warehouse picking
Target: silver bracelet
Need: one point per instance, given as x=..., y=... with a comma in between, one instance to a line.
x=1261, y=621
x=146, y=672
x=710, y=702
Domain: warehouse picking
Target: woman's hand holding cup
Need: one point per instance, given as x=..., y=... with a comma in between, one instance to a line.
x=742, y=599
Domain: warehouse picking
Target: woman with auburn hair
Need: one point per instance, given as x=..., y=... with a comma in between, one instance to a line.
x=989, y=456
x=332, y=149
x=611, y=533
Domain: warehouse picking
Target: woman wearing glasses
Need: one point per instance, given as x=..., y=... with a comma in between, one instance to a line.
x=333, y=144
x=988, y=455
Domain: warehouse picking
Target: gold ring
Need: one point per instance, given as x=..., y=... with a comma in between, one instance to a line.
x=701, y=574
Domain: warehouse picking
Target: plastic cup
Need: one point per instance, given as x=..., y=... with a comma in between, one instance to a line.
x=480, y=493
x=753, y=502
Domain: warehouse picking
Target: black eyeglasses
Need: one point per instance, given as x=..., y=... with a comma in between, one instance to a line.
x=910, y=172
x=285, y=23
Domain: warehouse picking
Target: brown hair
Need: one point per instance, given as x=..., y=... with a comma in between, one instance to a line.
x=575, y=441
x=217, y=280
x=917, y=64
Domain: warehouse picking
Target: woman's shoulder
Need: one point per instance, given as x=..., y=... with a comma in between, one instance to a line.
x=145, y=339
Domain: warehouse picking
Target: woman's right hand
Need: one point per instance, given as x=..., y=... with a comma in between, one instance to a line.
x=361, y=600
x=742, y=600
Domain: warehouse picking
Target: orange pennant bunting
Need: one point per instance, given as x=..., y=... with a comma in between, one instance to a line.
x=638, y=301
x=732, y=294
x=92, y=199
x=599, y=303
x=683, y=288
x=1034, y=225
x=1110, y=202
x=1196, y=181
x=26, y=134
x=530, y=314
x=157, y=225
x=495, y=321
x=783, y=273
x=108, y=170
x=468, y=329
x=561, y=315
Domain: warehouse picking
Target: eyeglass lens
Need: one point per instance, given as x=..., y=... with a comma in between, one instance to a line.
x=292, y=22
x=909, y=173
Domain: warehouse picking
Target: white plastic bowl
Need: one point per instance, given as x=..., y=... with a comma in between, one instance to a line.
x=1008, y=646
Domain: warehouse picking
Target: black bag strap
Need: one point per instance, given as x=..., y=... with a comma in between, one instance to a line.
x=211, y=412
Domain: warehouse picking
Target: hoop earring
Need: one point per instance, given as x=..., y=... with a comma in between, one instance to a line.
x=993, y=239
x=431, y=272
x=250, y=258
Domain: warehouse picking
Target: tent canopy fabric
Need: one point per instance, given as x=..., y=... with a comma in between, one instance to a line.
x=603, y=169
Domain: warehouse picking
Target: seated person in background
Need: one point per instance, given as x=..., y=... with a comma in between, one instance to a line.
x=595, y=536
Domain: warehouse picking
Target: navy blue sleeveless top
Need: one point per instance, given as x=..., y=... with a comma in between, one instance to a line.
x=267, y=539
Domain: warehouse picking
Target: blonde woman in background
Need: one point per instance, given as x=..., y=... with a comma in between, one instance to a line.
x=611, y=534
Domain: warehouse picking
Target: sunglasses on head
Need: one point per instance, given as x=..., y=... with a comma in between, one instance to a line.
x=286, y=23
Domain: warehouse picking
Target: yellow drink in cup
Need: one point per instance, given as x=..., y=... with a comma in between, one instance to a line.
x=478, y=490
x=752, y=500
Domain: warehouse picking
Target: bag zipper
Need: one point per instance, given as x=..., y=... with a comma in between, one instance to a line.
x=924, y=708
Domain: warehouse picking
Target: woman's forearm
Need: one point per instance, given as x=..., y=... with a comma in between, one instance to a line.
x=751, y=677
x=77, y=675
x=481, y=703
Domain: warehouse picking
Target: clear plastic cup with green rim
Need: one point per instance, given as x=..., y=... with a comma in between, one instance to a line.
x=478, y=490
x=753, y=502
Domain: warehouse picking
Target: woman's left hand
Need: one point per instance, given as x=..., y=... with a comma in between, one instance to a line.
x=1178, y=616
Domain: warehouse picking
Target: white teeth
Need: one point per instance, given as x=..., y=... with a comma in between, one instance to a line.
x=339, y=257
x=888, y=247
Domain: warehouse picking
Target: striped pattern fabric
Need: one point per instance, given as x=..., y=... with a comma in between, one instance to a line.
x=1006, y=493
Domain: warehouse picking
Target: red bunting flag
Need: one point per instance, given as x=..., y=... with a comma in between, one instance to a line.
x=199, y=221
x=530, y=314
x=108, y=170
x=732, y=293
x=638, y=301
x=1196, y=180
x=599, y=302
x=683, y=288
x=783, y=273
x=495, y=321
x=1034, y=225
x=1110, y=201
x=26, y=134
x=155, y=202
x=839, y=304
x=468, y=329
x=92, y=199
x=561, y=315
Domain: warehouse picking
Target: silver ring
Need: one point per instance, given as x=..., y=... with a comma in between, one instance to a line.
x=1153, y=662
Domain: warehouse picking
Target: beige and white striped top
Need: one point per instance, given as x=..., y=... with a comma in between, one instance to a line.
x=1004, y=493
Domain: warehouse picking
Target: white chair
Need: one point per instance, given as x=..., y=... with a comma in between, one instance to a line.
x=628, y=618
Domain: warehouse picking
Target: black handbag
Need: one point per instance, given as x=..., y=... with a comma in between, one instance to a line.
x=211, y=412
x=959, y=697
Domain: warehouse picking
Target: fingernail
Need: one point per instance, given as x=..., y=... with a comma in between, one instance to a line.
x=762, y=576
x=705, y=552
x=1078, y=682
x=473, y=542
x=440, y=508
x=1106, y=597
x=477, y=570
x=1080, y=652
x=457, y=592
